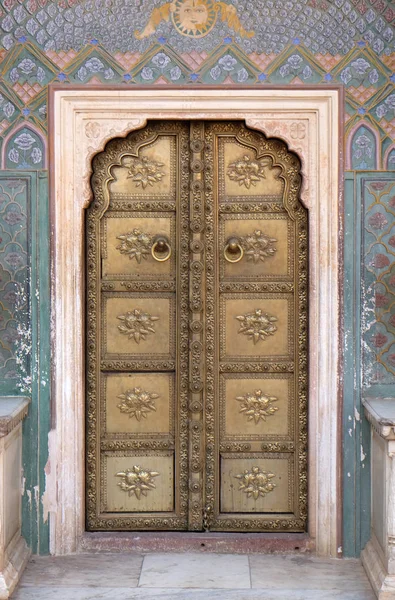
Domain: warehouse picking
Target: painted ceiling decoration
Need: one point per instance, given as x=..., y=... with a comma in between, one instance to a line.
x=262, y=26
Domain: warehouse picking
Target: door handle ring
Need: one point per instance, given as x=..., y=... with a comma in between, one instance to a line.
x=233, y=246
x=160, y=246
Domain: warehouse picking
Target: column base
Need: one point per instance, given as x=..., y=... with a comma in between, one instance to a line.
x=16, y=557
x=383, y=584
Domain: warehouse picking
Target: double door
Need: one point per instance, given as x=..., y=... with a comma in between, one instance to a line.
x=196, y=332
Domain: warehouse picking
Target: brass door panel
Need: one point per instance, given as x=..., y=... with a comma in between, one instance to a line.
x=137, y=325
x=127, y=246
x=141, y=404
x=257, y=406
x=196, y=332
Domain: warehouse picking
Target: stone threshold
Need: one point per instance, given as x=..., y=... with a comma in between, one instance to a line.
x=239, y=543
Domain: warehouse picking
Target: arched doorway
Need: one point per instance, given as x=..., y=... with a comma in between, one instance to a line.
x=196, y=332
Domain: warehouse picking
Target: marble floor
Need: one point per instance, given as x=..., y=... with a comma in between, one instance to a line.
x=193, y=576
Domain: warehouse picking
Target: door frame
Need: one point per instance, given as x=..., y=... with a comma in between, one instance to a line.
x=83, y=119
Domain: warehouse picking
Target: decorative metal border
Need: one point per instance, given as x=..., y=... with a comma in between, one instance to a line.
x=291, y=168
x=112, y=155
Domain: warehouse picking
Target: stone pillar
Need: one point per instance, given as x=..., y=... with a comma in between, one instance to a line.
x=378, y=556
x=14, y=552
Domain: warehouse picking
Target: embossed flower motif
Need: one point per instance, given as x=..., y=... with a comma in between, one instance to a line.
x=391, y=320
x=257, y=325
x=247, y=171
x=136, y=244
x=258, y=246
x=227, y=62
x=391, y=359
x=161, y=60
x=137, y=481
x=24, y=141
x=27, y=66
x=137, y=403
x=391, y=242
x=257, y=406
x=147, y=74
x=361, y=66
x=144, y=171
x=256, y=483
x=137, y=324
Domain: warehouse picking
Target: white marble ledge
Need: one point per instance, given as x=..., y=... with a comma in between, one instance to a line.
x=13, y=409
x=380, y=412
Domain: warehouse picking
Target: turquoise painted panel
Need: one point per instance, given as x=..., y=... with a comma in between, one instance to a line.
x=24, y=329
x=377, y=196
x=15, y=241
x=356, y=431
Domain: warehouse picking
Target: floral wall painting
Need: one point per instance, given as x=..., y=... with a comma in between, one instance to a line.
x=193, y=18
x=24, y=150
x=378, y=291
x=14, y=301
x=363, y=149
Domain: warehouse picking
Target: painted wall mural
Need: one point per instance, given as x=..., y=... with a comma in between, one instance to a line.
x=185, y=42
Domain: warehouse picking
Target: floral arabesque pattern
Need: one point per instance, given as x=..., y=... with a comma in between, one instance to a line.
x=379, y=282
x=25, y=150
x=14, y=292
x=363, y=149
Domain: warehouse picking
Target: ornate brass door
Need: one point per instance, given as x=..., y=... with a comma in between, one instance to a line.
x=196, y=247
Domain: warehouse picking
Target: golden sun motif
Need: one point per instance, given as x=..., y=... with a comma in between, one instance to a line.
x=194, y=18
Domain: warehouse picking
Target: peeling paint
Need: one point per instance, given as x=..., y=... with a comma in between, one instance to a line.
x=23, y=486
x=48, y=497
x=340, y=549
x=348, y=474
x=357, y=414
x=363, y=455
x=349, y=417
x=29, y=497
x=350, y=432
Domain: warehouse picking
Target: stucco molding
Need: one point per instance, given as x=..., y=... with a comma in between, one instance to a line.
x=83, y=120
